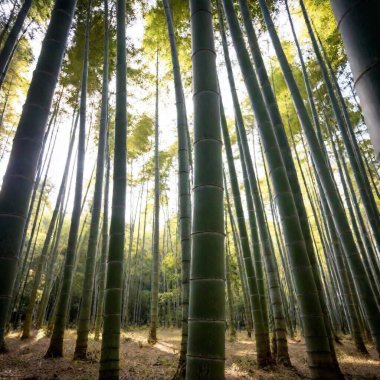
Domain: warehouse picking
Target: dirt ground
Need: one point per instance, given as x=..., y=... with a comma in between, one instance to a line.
x=141, y=361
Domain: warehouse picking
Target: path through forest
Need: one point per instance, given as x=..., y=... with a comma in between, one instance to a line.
x=141, y=361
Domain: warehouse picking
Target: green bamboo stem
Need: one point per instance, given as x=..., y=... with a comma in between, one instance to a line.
x=20, y=171
x=357, y=22
x=320, y=360
x=4, y=31
x=184, y=157
x=156, y=231
x=49, y=234
x=242, y=275
x=109, y=361
x=232, y=330
x=56, y=343
x=358, y=170
x=261, y=329
x=41, y=162
x=205, y=349
x=337, y=210
x=263, y=344
x=88, y=283
x=11, y=41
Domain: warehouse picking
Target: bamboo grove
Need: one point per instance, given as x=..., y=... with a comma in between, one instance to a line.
x=208, y=166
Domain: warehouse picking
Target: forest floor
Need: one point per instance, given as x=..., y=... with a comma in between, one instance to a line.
x=139, y=360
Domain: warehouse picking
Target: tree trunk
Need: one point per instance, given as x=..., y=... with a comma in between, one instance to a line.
x=183, y=190
x=243, y=277
x=231, y=318
x=263, y=342
x=156, y=231
x=11, y=41
x=205, y=349
x=109, y=360
x=88, y=282
x=56, y=343
x=104, y=254
x=8, y=23
x=358, y=24
x=320, y=358
x=332, y=196
x=18, y=180
x=356, y=163
x=49, y=234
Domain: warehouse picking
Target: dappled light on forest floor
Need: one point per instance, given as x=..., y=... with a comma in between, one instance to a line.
x=140, y=360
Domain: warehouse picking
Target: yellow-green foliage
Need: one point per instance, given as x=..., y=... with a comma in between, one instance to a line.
x=156, y=36
x=324, y=23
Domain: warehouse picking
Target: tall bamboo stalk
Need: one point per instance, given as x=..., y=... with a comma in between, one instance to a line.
x=109, y=360
x=11, y=41
x=324, y=174
x=18, y=180
x=357, y=22
x=156, y=231
x=183, y=188
x=88, y=282
x=319, y=354
x=49, y=235
x=205, y=349
x=56, y=343
x=355, y=162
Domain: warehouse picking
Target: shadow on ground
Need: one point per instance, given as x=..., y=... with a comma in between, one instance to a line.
x=140, y=361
